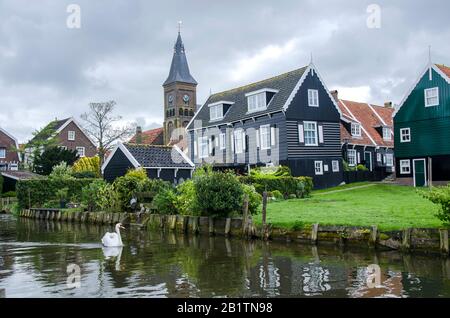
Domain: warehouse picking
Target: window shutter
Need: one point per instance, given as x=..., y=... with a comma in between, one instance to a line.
x=301, y=137
x=257, y=138
x=320, y=134
x=195, y=148
x=243, y=141
x=232, y=141
x=217, y=141
x=358, y=156
x=210, y=145
x=272, y=136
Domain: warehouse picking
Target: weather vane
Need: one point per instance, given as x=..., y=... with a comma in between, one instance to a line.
x=179, y=26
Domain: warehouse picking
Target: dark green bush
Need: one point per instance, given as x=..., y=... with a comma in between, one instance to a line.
x=254, y=198
x=9, y=194
x=84, y=174
x=300, y=186
x=441, y=196
x=186, y=199
x=165, y=201
x=277, y=195
x=218, y=194
x=35, y=192
x=361, y=167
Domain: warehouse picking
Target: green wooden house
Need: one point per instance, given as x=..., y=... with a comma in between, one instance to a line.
x=422, y=130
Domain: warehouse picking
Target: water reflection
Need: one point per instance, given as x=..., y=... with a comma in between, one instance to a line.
x=34, y=257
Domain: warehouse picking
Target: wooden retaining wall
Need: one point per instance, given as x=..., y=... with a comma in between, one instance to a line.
x=407, y=240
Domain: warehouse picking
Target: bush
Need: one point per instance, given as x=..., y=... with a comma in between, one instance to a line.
x=84, y=175
x=61, y=172
x=292, y=196
x=361, y=167
x=35, y=192
x=51, y=157
x=347, y=167
x=218, y=194
x=87, y=166
x=165, y=202
x=300, y=186
x=277, y=195
x=441, y=196
x=254, y=198
x=186, y=202
x=9, y=194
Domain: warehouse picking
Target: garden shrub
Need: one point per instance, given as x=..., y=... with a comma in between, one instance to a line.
x=292, y=196
x=441, y=196
x=277, y=195
x=61, y=172
x=87, y=166
x=254, y=198
x=35, y=192
x=300, y=186
x=165, y=201
x=84, y=175
x=90, y=195
x=9, y=194
x=186, y=202
x=218, y=193
x=361, y=167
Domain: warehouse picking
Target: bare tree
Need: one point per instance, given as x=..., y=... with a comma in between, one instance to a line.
x=101, y=125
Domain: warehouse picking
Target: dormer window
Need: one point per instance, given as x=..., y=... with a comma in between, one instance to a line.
x=260, y=99
x=432, y=97
x=386, y=133
x=356, y=129
x=218, y=110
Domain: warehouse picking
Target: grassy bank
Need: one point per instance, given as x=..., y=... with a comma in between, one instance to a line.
x=390, y=207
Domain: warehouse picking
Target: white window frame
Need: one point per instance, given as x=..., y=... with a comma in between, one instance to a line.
x=353, y=155
x=203, y=150
x=264, y=134
x=434, y=90
x=257, y=102
x=406, y=163
x=318, y=164
x=313, y=97
x=378, y=157
x=222, y=141
x=335, y=165
x=356, y=129
x=316, y=143
x=71, y=135
x=216, y=112
x=405, y=134
x=389, y=160
x=387, y=133
x=2, y=152
x=238, y=141
x=81, y=151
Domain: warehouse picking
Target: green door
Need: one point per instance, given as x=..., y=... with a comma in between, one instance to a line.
x=368, y=160
x=419, y=173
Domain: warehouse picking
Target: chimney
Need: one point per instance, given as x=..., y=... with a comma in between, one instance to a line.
x=388, y=104
x=138, y=138
x=335, y=95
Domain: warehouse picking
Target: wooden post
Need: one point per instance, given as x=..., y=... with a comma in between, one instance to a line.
x=227, y=227
x=406, y=242
x=373, y=238
x=245, y=214
x=443, y=235
x=314, y=233
x=264, y=208
x=195, y=221
x=211, y=226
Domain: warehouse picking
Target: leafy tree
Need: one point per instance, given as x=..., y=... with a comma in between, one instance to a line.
x=42, y=140
x=102, y=126
x=44, y=162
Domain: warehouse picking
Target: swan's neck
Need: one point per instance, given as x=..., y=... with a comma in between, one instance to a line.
x=118, y=234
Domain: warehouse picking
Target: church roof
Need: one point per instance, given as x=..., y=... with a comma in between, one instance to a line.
x=179, y=69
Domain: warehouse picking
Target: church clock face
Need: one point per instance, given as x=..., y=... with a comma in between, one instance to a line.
x=186, y=98
x=170, y=99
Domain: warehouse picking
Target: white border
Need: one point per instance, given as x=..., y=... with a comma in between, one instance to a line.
x=425, y=171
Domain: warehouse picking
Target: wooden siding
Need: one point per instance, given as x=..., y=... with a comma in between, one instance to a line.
x=117, y=166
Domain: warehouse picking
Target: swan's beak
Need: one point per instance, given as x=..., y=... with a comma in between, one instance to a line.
x=122, y=227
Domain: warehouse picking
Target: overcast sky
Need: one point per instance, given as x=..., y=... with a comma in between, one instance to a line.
x=124, y=48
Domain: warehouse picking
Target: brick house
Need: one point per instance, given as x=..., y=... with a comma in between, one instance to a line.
x=9, y=157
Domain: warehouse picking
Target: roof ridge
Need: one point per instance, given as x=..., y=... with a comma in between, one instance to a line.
x=259, y=82
x=147, y=146
x=367, y=103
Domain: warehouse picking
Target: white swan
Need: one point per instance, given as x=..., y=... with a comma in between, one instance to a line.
x=113, y=239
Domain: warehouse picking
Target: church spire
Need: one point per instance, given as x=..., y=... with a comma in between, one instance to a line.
x=179, y=69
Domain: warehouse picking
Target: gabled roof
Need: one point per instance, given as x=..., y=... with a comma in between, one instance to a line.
x=370, y=118
x=21, y=175
x=179, y=69
x=151, y=137
x=284, y=83
x=10, y=136
x=441, y=69
x=152, y=156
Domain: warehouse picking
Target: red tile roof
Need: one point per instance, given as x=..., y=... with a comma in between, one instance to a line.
x=444, y=69
x=151, y=137
x=371, y=117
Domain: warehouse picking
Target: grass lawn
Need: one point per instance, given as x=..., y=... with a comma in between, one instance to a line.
x=390, y=207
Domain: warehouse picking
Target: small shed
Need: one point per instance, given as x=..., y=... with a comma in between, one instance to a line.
x=168, y=163
x=10, y=179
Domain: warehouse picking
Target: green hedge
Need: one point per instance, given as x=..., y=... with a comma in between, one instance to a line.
x=36, y=192
x=300, y=186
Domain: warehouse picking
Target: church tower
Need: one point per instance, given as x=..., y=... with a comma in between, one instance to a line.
x=180, y=93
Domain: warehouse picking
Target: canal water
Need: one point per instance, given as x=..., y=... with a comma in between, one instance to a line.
x=47, y=259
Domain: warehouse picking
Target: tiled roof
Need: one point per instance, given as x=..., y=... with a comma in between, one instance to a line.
x=284, y=83
x=151, y=137
x=21, y=175
x=371, y=118
x=444, y=69
x=157, y=156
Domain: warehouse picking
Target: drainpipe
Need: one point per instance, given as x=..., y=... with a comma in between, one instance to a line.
x=430, y=171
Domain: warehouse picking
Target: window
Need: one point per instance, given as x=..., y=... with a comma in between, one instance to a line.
x=256, y=102
x=356, y=129
x=203, y=147
x=216, y=112
x=310, y=134
x=405, y=167
x=2, y=153
x=264, y=132
x=71, y=135
x=318, y=167
x=313, y=97
x=335, y=165
x=378, y=157
x=13, y=166
x=80, y=151
x=432, y=97
x=238, y=141
x=386, y=133
x=389, y=160
x=222, y=141
x=405, y=135
x=351, y=157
